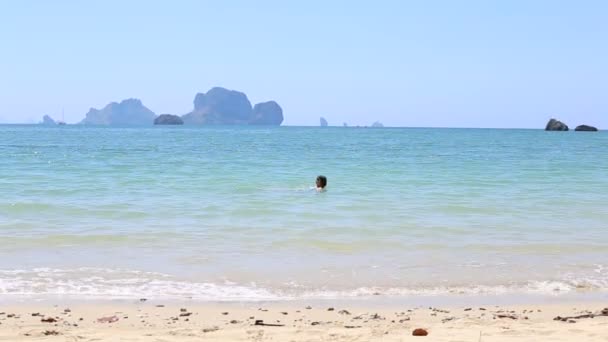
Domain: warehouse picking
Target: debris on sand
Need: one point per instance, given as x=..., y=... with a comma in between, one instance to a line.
x=108, y=319
x=420, y=332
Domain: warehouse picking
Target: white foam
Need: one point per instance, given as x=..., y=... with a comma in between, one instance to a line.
x=96, y=283
x=104, y=283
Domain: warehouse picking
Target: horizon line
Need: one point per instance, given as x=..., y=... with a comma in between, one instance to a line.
x=294, y=126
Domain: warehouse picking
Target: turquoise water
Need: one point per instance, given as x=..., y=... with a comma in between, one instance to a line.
x=227, y=213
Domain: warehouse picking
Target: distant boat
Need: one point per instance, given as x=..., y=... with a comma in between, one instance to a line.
x=62, y=122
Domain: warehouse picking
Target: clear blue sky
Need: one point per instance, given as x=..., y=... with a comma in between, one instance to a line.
x=463, y=63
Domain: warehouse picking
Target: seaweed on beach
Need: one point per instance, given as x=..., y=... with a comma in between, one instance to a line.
x=572, y=319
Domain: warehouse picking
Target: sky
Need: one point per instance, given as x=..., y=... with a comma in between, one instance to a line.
x=504, y=64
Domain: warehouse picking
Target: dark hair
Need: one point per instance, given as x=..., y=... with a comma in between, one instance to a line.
x=322, y=180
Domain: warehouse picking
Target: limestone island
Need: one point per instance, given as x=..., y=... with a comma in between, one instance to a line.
x=48, y=121
x=219, y=106
x=127, y=112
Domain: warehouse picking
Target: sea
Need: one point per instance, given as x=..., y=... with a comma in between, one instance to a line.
x=221, y=213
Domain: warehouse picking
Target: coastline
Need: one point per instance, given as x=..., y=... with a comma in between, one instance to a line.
x=158, y=320
x=481, y=227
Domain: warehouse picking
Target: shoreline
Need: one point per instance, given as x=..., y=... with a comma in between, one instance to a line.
x=377, y=300
x=162, y=320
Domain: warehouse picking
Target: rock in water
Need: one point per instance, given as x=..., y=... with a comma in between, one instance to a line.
x=267, y=113
x=168, y=119
x=585, y=128
x=127, y=112
x=323, y=122
x=556, y=125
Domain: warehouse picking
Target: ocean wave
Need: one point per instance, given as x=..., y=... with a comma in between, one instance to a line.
x=98, y=283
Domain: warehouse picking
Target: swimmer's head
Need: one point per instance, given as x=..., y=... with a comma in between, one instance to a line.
x=321, y=182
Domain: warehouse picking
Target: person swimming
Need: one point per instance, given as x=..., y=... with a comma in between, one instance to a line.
x=321, y=183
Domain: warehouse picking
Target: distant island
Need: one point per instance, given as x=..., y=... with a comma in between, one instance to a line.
x=127, y=112
x=219, y=106
x=48, y=121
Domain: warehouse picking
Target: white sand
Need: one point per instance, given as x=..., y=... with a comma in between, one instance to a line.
x=147, y=321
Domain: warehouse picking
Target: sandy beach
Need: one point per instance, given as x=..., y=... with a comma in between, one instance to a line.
x=303, y=171
x=149, y=320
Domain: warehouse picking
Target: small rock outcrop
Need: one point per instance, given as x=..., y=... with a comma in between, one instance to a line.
x=48, y=121
x=377, y=124
x=168, y=119
x=267, y=113
x=556, y=125
x=585, y=128
x=127, y=112
x=323, y=122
